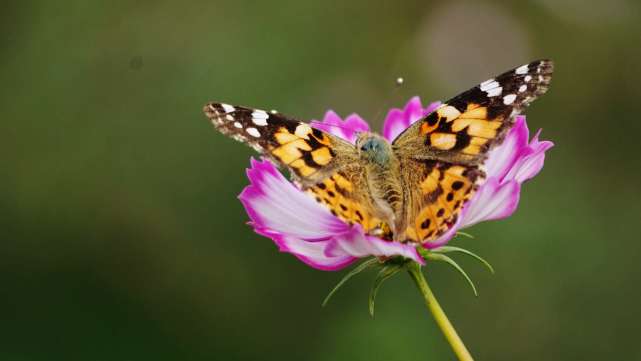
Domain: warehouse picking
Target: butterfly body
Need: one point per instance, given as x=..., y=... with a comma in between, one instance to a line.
x=411, y=189
x=382, y=172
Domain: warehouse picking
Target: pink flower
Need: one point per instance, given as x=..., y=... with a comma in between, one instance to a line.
x=301, y=226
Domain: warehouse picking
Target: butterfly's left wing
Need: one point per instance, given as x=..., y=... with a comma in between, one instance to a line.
x=310, y=154
x=443, y=153
x=327, y=167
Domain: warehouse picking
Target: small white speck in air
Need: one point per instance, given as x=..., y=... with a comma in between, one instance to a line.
x=489, y=84
x=259, y=117
x=522, y=88
x=528, y=78
x=228, y=108
x=400, y=81
x=521, y=69
x=494, y=92
x=253, y=132
x=229, y=117
x=238, y=125
x=509, y=99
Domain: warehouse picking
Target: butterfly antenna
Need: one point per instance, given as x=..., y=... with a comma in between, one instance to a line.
x=315, y=122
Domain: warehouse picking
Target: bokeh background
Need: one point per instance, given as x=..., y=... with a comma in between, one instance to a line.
x=121, y=234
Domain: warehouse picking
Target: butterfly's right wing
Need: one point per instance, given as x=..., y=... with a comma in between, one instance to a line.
x=443, y=153
x=326, y=166
x=466, y=127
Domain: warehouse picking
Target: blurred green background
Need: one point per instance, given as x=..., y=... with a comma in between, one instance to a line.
x=123, y=239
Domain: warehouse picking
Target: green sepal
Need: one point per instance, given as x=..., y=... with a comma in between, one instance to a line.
x=464, y=234
x=386, y=272
x=356, y=270
x=441, y=257
x=448, y=249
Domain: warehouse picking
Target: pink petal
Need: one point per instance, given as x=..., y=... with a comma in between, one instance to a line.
x=394, y=124
x=502, y=158
x=515, y=158
x=529, y=165
x=331, y=123
x=356, y=243
x=431, y=107
x=492, y=201
x=276, y=204
x=348, y=129
x=397, y=120
x=312, y=253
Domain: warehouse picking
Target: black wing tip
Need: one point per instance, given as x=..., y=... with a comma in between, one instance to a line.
x=210, y=109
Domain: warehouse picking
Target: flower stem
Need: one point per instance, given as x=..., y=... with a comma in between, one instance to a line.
x=441, y=319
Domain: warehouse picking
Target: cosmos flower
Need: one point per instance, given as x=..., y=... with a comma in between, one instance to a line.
x=279, y=210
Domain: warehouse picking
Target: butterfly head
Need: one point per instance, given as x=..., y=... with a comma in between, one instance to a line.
x=374, y=148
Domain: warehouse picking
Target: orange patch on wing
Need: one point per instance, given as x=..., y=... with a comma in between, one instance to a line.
x=302, y=168
x=343, y=182
x=322, y=140
x=289, y=152
x=483, y=128
x=283, y=136
x=322, y=156
x=430, y=183
x=426, y=128
x=472, y=149
x=475, y=113
x=442, y=141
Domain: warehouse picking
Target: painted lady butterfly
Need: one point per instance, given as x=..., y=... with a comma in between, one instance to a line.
x=412, y=189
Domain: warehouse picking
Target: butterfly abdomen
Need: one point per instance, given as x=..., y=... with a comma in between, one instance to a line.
x=382, y=171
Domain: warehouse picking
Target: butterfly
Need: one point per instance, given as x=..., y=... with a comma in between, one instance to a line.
x=412, y=189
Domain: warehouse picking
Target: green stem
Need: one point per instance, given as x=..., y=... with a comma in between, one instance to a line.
x=441, y=319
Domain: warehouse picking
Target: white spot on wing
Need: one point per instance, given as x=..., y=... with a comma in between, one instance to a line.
x=302, y=130
x=259, y=118
x=521, y=69
x=522, y=88
x=229, y=117
x=509, y=99
x=253, y=132
x=228, y=108
x=239, y=137
x=238, y=125
x=494, y=92
x=489, y=85
x=528, y=78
